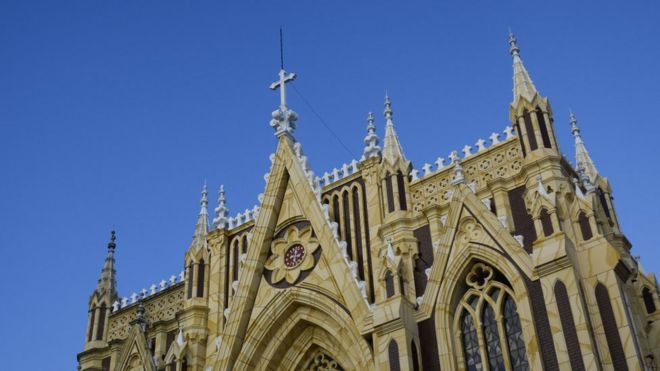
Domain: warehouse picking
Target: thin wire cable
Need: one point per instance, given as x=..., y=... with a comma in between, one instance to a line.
x=322, y=121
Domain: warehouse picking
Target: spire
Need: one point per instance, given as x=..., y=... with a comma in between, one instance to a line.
x=107, y=282
x=371, y=147
x=391, y=146
x=221, y=212
x=522, y=83
x=583, y=161
x=202, y=226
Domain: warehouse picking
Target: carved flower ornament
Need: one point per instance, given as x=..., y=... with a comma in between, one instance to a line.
x=292, y=254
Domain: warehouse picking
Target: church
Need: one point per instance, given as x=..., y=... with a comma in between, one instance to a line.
x=501, y=256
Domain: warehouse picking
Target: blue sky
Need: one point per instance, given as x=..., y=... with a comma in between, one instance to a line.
x=114, y=113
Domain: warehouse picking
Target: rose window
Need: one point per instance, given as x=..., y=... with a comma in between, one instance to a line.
x=292, y=254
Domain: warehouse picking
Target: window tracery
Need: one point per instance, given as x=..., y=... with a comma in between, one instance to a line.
x=488, y=325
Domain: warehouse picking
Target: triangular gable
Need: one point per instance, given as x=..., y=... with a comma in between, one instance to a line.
x=135, y=345
x=465, y=208
x=286, y=173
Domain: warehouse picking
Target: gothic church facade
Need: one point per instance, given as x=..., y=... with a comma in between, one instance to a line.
x=505, y=256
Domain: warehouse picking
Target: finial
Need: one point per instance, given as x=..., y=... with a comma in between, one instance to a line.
x=513, y=44
x=574, y=128
x=221, y=212
x=204, y=201
x=388, y=108
x=113, y=237
x=371, y=147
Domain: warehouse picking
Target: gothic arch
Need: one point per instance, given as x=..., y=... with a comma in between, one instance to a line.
x=313, y=340
x=290, y=314
x=450, y=294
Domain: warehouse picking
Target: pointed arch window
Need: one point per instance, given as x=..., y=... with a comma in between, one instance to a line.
x=488, y=324
x=393, y=355
x=546, y=222
x=191, y=273
x=347, y=225
x=92, y=322
x=101, y=327
x=585, y=227
x=200, y=278
x=235, y=261
x=531, y=137
x=415, y=357
x=543, y=128
x=244, y=246
x=389, y=284
x=649, y=303
x=402, y=190
x=611, y=328
x=389, y=192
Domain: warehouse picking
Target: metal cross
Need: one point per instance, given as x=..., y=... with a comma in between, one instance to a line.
x=281, y=83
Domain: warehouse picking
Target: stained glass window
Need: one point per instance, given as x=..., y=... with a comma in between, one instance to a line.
x=492, y=337
x=470, y=343
x=514, y=336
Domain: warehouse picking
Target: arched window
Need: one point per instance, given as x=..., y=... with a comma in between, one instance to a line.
x=568, y=327
x=402, y=191
x=611, y=328
x=200, y=279
x=191, y=269
x=92, y=322
x=184, y=364
x=488, y=323
x=543, y=128
x=529, y=128
x=415, y=357
x=235, y=261
x=648, y=300
x=389, y=192
x=101, y=327
x=546, y=223
x=245, y=244
x=347, y=225
x=335, y=211
x=585, y=227
x=358, y=232
x=389, y=284
x=393, y=355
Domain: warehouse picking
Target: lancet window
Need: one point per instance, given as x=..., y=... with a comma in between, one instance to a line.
x=487, y=322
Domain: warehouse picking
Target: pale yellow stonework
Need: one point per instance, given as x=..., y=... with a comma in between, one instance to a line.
x=366, y=284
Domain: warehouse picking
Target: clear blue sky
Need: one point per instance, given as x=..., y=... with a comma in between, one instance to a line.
x=116, y=112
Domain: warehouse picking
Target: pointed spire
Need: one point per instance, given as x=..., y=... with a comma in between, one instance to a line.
x=582, y=159
x=522, y=82
x=202, y=226
x=371, y=141
x=107, y=282
x=391, y=147
x=221, y=212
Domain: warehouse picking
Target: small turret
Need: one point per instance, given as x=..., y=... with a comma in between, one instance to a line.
x=100, y=302
x=202, y=226
x=529, y=112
